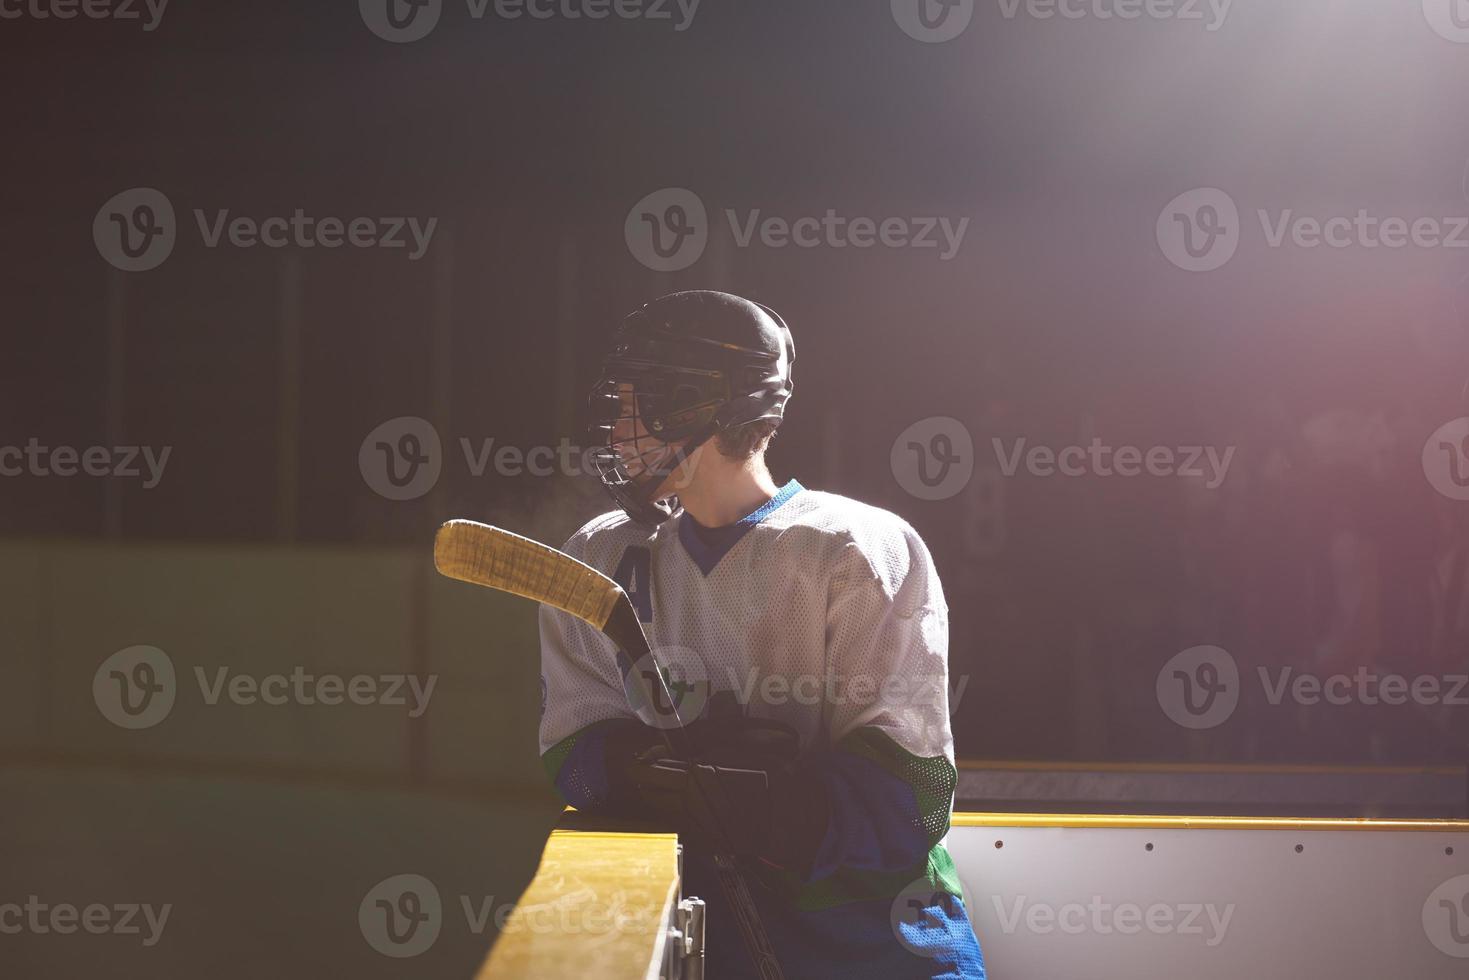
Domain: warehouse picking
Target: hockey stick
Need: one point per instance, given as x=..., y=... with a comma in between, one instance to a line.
x=498, y=559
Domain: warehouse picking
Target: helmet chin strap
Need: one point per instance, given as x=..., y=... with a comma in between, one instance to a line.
x=636, y=498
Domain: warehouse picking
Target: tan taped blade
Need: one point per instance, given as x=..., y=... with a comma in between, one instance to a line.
x=499, y=559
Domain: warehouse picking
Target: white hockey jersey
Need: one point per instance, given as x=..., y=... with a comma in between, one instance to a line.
x=816, y=610
x=825, y=614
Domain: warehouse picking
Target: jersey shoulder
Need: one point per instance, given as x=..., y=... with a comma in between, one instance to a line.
x=863, y=535
x=845, y=518
x=603, y=538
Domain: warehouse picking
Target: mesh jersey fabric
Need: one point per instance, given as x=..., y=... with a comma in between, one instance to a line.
x=823, y=613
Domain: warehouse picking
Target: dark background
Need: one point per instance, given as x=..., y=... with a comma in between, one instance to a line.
x=264, y=548
x=1060, y=319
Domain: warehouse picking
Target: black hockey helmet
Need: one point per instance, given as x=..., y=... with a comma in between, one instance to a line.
x=695, y=363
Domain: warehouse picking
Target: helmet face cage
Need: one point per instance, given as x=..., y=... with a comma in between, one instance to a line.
x=663, y=394
x=640, y=411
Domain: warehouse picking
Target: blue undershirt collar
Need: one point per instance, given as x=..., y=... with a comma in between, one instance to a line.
x=707, y=545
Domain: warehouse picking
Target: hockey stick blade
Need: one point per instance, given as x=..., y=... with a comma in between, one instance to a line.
x=481, y=554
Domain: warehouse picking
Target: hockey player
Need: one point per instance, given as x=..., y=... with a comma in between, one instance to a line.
x=805, y=638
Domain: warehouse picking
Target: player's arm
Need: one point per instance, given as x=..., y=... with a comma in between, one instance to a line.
x=879, y=796
x=585, y=716
x=582, y=707
x=889, y=775
x=601, y=758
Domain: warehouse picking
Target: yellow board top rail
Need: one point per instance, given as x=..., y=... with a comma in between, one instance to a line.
x=1217, y=768
x=598, y=906
x=1107, y=821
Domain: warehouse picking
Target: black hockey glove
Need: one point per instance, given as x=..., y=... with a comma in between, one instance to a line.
x=742, y=791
